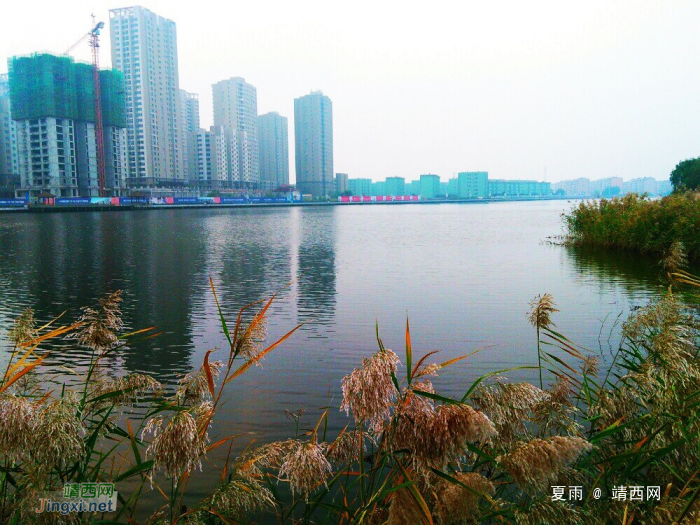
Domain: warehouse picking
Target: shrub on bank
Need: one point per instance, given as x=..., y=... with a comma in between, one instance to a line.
x=408, y=455
x=634, y=222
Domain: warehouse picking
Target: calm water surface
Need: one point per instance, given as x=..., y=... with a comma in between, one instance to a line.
x=463, y=274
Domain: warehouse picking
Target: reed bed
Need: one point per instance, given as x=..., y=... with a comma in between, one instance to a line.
x=408, y=455
x=634, y=222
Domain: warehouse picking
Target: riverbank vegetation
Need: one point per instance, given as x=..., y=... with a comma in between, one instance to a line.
x=636, y=223
x=500, y=453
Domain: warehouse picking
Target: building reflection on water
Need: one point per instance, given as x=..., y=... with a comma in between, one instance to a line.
x=163, y=261
x=316, y=289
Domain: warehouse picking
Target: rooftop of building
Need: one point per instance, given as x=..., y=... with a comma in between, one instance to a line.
x=128, y=9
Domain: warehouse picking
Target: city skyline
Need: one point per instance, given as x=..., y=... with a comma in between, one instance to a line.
x=551, y=123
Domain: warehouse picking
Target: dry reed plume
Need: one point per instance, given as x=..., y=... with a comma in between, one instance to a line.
x=128, y=389
x=457, y=504
x=24, y=328
x=348, y=447
x=435, y=434
x=509, y=406
x=17, y=423
x=239, y=497
x=253, y=338
x=101, y=325
x=369, y=392
x=306, y=467
x=546, y=512
x=57, y=434
x=178, y=446
x=541, y=309
x=535, y=464
x=403, y=509
x=194, y=387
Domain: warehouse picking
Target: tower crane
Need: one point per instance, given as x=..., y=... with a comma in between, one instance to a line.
x=94, y=40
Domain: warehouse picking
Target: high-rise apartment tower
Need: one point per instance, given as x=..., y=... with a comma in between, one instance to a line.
x=236, y=110
x=144, y=49
x=274, y=150
x=189, y=123
x=313, y=134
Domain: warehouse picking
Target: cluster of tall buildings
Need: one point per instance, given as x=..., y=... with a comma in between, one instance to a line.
x=466, y=185
x=611, y=187
x=153, y=138
x=154, y=143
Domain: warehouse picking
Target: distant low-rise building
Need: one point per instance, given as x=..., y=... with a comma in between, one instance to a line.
x=341, y=183
x=395, y=186
x=642, y=185
x=453, y=187
x=518, y=188
x=473, y=184
x=429, y=186
x=413, y=187
x=664, y=187
x=360, y=187
x=611, y=187
x=378, y=188
x=580, y=187
x=608, y=187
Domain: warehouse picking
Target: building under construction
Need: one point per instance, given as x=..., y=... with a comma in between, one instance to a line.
x=52, y=100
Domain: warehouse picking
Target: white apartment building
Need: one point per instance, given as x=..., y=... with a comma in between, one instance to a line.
x=576, y=187
x=236, y=110
x=189, y=124
x=607, y=187
x=212, y=158
x=48, y=158
x=274, y=150
x=642, y=185
x=144, y=49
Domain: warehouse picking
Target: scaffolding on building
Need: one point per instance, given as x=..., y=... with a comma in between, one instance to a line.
x=45, y=85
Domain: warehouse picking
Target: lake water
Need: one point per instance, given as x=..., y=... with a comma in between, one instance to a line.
x=463, y=274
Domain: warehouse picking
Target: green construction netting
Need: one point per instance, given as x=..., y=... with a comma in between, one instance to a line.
x=113, y=98
x=44, y=85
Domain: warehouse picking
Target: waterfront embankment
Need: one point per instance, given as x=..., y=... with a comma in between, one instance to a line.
x=42, y=208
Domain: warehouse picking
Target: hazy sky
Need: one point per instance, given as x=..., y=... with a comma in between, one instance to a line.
x=585, y=89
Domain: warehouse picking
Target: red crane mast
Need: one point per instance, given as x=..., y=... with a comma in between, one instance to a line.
x=99, y=129
x=94, y=40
